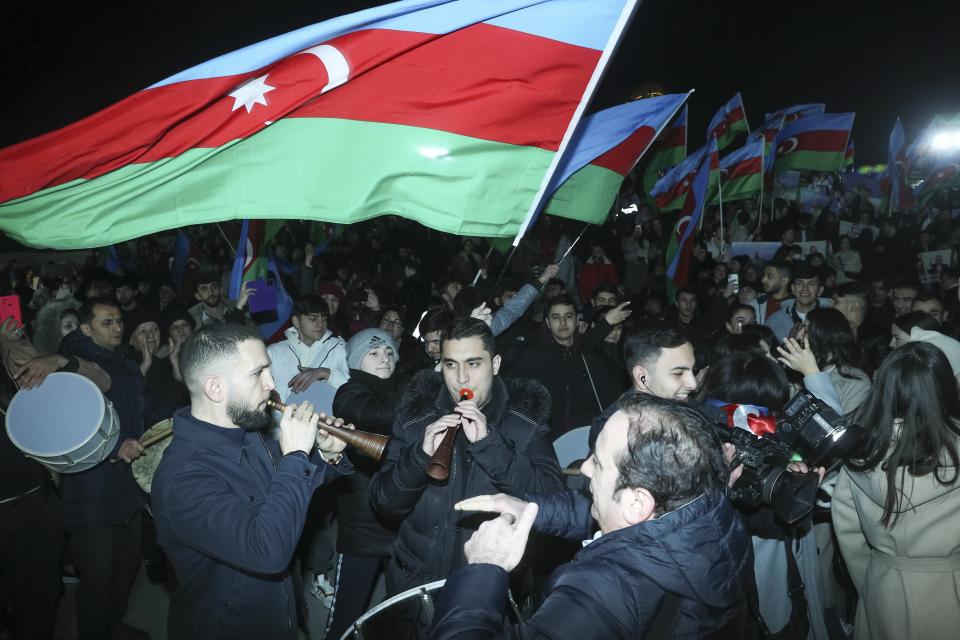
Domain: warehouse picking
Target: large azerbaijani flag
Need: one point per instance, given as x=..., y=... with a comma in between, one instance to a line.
x=453, y=113
x=606, y=147
x=680, y=249
x=814, y=142
x=669, y=150
x=729, y=122
x=741, y=172
x=901, y=195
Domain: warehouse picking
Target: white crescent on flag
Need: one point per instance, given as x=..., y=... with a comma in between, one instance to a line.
x=681, y=224
x=338, y=69
x=787, y=146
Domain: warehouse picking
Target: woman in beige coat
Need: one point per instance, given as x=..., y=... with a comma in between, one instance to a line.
x=896, y=511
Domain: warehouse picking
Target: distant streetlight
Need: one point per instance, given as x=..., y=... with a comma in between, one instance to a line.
x=945, y=141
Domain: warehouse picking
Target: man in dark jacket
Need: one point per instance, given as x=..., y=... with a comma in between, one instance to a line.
x=671, y=553
x=102, y=506
x=579, y=383
x=229, y=507
x=503, y=445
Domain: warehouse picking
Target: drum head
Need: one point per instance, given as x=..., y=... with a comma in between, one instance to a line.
x=57, y=417
x=319, y=393
x=145, y=466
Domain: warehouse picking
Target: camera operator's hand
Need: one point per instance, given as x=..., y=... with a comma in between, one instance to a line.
x=801, y=467
x=729, y=453
x=797, y=357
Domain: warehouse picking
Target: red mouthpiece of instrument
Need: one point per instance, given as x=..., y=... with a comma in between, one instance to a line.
x=466, y=394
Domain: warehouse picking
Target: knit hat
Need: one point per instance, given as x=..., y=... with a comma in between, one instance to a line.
x=949, y=346
x=139, y=315
x=330, y=288
x=363, y=342
x=171, y=314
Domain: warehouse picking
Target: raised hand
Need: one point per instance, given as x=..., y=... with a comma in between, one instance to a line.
x=501, y=541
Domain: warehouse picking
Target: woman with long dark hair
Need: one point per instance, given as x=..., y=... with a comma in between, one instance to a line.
x=826, y=353
x=896, y=509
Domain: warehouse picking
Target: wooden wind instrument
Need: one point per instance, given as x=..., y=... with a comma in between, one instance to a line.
x=439, y=466
x=369, y=444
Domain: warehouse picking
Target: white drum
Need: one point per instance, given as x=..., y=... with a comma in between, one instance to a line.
x=408, y=616
x=64, y=424
x=320, y=394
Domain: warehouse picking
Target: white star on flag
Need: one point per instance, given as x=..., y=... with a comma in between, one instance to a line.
x=250, y=93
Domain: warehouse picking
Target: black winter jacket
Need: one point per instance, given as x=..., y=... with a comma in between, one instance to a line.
x=370, y=403
x=614, y=586
x=107, y=494
x=516, y=457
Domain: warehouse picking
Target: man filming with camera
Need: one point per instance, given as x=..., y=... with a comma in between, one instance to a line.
x=671, y=558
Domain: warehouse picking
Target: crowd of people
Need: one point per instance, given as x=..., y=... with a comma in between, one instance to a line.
x=418, y=332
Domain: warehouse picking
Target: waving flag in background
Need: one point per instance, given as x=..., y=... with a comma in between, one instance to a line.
x=669, y=150
x=945, y=174
x=253, y=253
x=814, y=142
x=848, y=157
x=901, y=196
x=741, y=172
x=794, y=113
x=729, y=122
x=670, y=191
x=680, y=249
x=311, y=125
x=606, y=147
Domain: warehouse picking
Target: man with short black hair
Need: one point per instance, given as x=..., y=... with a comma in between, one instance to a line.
x=776, y=289
x=502, y=443
x=212, y=307
x=903, y=293
x=310, y=353
x=806, y=287
x=230, y=504
x=579, y=383
x=931, y=304
x=671, y=553
x=660, y=361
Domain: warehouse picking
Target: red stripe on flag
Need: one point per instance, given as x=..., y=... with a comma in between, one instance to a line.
x=835, y=141
x=744, y=168
x=462, y=82
x=623, y=156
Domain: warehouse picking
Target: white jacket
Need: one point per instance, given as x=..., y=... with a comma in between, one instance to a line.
x=329, y=351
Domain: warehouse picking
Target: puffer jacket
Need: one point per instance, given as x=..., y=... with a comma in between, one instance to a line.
x=516, y=457
x=370, y=403
x=615, y=585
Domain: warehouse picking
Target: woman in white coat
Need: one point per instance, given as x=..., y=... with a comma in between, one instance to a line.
x=896, y=510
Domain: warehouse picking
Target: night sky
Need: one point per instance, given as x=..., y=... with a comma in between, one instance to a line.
x=65, y=60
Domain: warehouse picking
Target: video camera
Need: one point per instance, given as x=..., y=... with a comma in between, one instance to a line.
x=808, y=425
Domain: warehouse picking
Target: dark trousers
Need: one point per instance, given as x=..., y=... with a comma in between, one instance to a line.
x=107, y=560
x=31, y=550
x=356, y=577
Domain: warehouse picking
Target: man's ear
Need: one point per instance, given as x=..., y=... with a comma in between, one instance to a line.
x=295, y=321
x=637, y=504
x=639, y=376
x=196, y=295
x=85, y=329
x=213, y=389
x=496, y=364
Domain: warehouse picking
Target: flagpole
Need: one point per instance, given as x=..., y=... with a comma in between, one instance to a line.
x=626, y=15
x=720, y=198
x=763, y=153
x=226, y=239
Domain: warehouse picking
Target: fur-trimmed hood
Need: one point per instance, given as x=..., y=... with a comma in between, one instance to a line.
x=426, y=391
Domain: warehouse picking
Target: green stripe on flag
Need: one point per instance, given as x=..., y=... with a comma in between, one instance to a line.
x=329, y=169
x=738, y=188
x=810, y=161
x=587, y=195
